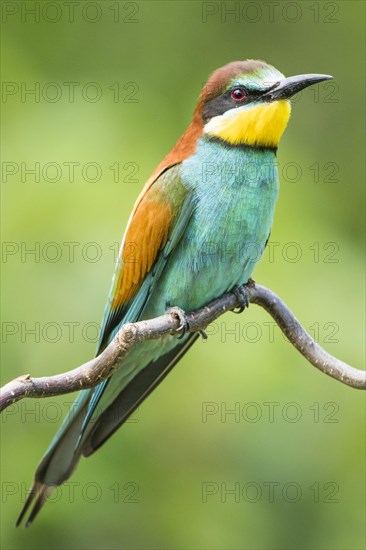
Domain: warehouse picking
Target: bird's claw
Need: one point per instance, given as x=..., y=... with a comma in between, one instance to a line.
x=184, y=324
x=242, y=295
x=181, y=315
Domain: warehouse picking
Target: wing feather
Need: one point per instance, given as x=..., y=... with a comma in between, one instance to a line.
x=147, y=234
x=155, y=230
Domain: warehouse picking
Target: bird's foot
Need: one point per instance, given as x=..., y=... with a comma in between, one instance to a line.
x=181, y=315
x=242, y=295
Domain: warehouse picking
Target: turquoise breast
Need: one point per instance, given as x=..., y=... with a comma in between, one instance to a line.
x=235, y=192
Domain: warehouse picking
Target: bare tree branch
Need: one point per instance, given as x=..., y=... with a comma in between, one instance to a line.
x=131, y=335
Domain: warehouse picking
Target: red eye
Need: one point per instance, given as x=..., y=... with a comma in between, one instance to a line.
x=238, y=94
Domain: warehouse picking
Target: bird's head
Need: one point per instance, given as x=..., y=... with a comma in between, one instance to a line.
x=247, y=102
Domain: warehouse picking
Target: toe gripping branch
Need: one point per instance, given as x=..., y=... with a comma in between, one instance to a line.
x=181, y=315
x=242, y=295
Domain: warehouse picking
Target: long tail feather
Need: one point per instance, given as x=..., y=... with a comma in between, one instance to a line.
x=40, y=492
x=67, y=447
x=58, y=463
x=28, y=502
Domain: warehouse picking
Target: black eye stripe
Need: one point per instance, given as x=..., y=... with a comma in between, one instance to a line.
x=219, y=105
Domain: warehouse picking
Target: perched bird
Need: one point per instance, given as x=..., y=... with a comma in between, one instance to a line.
x=197, y=230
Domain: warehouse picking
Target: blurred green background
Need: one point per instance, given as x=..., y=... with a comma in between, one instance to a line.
x=164, y=480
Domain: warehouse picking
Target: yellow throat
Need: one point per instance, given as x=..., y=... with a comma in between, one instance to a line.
x=256, y=125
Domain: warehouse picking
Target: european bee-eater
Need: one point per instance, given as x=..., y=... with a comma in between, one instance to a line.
x=196, y=231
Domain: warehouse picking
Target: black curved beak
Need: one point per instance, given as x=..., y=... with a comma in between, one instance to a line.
x=290, y=86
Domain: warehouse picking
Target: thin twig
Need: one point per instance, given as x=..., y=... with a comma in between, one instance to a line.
x=130, y=335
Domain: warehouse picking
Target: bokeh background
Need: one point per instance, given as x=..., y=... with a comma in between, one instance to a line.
x=164, y=480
